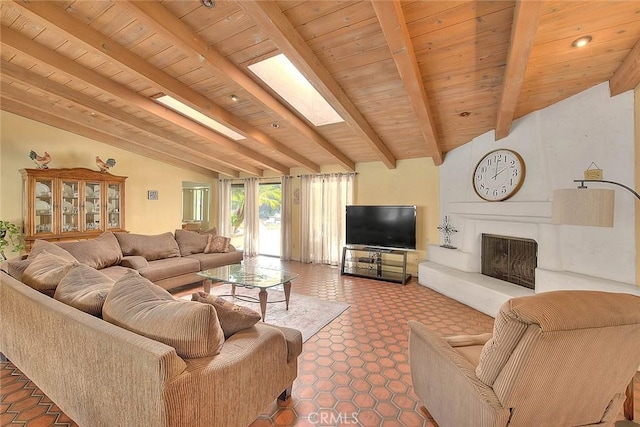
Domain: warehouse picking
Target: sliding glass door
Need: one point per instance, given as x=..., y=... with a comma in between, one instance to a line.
x=270, y=200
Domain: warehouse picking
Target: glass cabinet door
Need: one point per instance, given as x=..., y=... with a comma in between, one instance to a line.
x=92, y=206
x=114, y=207
x=43, y=218
x=70, y=208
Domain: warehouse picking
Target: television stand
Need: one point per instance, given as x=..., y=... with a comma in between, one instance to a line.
x=375, y=263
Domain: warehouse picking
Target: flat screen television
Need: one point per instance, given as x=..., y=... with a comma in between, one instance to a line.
x=392, y=227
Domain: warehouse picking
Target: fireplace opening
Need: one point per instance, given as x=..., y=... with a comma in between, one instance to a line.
x=512, y=259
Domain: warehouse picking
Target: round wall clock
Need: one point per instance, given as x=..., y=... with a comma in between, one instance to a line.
x=498, y=175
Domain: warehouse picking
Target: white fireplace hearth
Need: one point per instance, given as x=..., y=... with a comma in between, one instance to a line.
x=456, y=272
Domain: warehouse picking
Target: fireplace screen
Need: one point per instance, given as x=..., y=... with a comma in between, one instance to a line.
x=510, y=258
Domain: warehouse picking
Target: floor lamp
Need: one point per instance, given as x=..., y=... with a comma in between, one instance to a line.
x=586, y=206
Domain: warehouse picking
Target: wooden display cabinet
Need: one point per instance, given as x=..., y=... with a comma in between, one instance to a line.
x=69, y=204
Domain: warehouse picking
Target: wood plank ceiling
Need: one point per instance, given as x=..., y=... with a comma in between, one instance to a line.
x=410, y=78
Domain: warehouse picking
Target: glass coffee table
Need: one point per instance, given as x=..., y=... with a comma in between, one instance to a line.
x=248, y=276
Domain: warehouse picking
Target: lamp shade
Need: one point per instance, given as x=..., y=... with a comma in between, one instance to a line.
x=583, y=206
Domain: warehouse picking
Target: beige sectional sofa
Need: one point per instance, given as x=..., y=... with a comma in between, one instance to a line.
x=169, y=259
x=152, y=360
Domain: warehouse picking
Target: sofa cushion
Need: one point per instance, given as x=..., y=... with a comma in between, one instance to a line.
x=294, y=341
x=46, y=270
x=232, y=317
x=136, y=304
x=84, y=288
x=191, y=242
x=170, y=267
x=153, y=247
x=208, y=261
x=217, y=244
x=101, y=252
x=134, y=261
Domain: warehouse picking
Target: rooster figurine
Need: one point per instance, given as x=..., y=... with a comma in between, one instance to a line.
x=104, y=166
x=40, y=161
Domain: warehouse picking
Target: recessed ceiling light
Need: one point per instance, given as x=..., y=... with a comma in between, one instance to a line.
x=234, y=98
x=581, y=42
x=464, y=114
x=209, y=4
x=275, y=125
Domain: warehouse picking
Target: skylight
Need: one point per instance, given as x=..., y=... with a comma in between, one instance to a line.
x=185, y=110
x=285, y=79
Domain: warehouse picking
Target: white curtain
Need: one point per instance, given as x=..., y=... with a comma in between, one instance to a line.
x=323, y=201
x=286, y=245
x=224, y=207
x=251, y=219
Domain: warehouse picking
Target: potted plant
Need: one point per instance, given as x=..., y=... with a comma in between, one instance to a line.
x=10, y=235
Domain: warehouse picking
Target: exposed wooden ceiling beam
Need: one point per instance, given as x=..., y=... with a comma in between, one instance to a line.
x=627, y=76
x=76, y=71
x=95, y=122
x=164, y=22
x=94, y=40
x=523, y=30
x=182, y=145
x=274, y=23
x=50, y=118
x=395, y=32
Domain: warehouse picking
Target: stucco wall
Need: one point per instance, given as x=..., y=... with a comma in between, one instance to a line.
x=557, y=144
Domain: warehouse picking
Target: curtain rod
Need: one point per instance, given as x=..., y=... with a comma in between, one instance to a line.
x=330, y=173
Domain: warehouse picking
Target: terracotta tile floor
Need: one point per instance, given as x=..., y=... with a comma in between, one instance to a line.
x=353, y=372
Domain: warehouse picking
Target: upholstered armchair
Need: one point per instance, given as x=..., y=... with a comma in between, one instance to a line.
x=559, y=358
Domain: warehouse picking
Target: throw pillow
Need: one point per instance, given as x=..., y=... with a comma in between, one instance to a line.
x=213, y=231
x=191, y=242
x=40, y=246
x=101, y=252
x=46, y=271
x=84, y=288
x=232, y=317
x=153, y=247
x=217, y=244
x=16, y=268
x=136, y=304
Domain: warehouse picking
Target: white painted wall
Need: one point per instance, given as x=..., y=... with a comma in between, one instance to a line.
x=557, y=144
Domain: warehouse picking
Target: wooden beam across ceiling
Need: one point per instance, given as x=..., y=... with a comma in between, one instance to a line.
x=94, y=40
x=76, y=71
x=164, y=22
x=394, y=28
x=51, y=116
x=274, y=23
x=627, y=76
x=30, y=79
x=523, y=30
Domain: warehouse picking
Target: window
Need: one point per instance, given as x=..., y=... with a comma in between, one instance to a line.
x=196, y=205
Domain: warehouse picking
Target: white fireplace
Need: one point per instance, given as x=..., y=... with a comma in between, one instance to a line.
x=557, y=145
x=456, y=272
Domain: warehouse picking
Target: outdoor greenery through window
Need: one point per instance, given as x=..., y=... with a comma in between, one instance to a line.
x=270, y=200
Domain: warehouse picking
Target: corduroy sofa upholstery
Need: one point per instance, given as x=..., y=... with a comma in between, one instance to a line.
x=560, y=358
x=103, y=375
x=169, y=259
